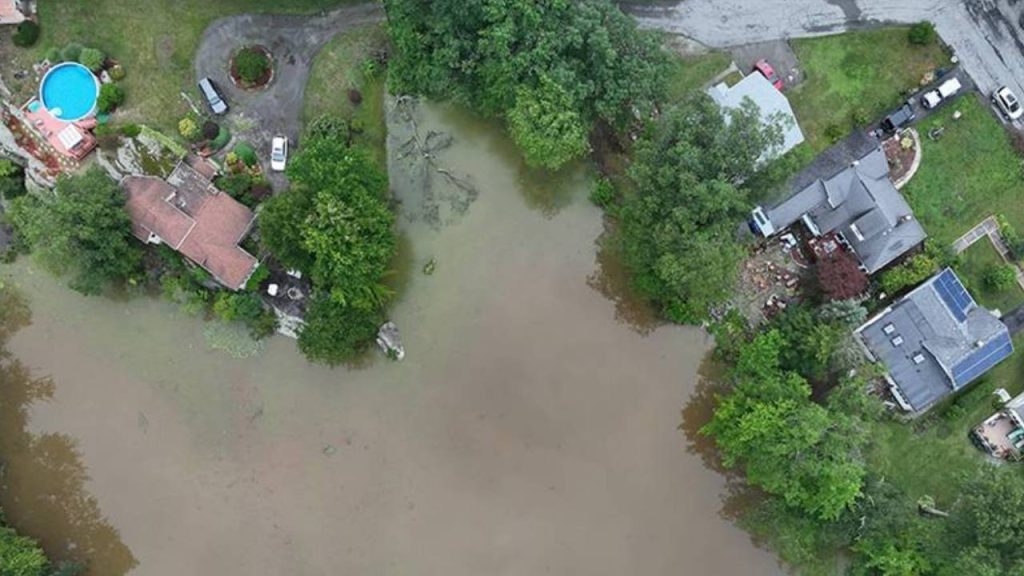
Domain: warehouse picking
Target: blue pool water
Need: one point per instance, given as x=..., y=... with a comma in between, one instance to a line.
x=69, y=91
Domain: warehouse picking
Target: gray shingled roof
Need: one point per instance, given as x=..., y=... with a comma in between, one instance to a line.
x=769, y=101
x=861, y=203
x=930, y=332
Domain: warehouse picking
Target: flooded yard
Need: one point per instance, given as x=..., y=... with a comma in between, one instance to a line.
x=530, y=430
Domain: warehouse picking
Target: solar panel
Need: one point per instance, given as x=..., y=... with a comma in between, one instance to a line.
x=982, y=359
x=953, y=294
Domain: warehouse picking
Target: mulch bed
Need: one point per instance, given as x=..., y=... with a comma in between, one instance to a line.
x=900, y=159
x=260, y=82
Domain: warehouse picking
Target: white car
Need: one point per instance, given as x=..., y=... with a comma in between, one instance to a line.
x=1007, y=103
x=278, y=153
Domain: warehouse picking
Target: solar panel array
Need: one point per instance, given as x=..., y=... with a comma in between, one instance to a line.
x=953, y=293
x=982, y=359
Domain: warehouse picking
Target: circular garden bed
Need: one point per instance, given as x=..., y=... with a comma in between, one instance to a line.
x=252, y=67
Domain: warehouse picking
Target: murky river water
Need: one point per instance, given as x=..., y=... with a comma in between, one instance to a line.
x=528, y=431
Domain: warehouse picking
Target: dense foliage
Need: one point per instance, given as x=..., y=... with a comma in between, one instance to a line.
x=679, y=227
x=551, y=68
x=840, y=276
x=26, y=35
x=82, y=230
x=335, y=225
x=251, y=64
x=788, y=445
x=111, y=96
x=917, y=269
x=12, y=180
x=92, y=59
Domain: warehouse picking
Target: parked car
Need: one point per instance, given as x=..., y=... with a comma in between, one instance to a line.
x=1007, y=103
x=213, y=96
x=947, y=89
x=768, y=72
x=278, y=153
x=899, y=118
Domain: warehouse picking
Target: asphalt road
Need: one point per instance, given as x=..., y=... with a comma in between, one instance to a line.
x=985, y=34
x=294, y=42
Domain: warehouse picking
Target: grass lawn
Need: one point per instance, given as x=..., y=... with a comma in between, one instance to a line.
x=974, y=262
x=155, y=40
x=932, y=461
x=856, y=74
x=971, y=172
x=690, y=73
x=338, y=68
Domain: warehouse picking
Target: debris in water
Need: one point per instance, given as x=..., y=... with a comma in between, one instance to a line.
x=390, y=342
x=429, y=267
x=329, y=450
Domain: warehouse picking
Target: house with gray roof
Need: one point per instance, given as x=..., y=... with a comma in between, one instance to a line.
x=772, y=104
x=859, y=204
x=934, y=341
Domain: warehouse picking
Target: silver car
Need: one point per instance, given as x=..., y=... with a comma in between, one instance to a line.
x=278, y=153
x=1007, y=102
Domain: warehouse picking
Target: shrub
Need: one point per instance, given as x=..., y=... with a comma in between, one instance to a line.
x=131, y=130
x=330, y=127
x=245, y=153
x=236, y=185
x=999, y=277
x=910, y=273
x=111, y=96
x=26, y=35
x=223, y=136
x=71, y=52
x=260, y=274
x=834, y=132
x=603, y=194
x=92, y=59
x=251, y=64
x=355, y=96
x=860, y=117
x=921, y=33
x=188, y=129
x=117, y=73
x=210, y=130
x=840, y=277
x=1014, y=240
x=53, y=55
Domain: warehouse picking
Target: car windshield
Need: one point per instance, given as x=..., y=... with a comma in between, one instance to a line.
x=278, y=154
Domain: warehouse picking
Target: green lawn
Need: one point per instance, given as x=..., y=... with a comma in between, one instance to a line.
x=154, y=39
x=338, y=68
x=974, y=262
x=689, y=74
x=971, y=172
x=856, y=74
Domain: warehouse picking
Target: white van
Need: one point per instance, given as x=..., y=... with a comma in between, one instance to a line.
x=212, y=95
x=933, y=98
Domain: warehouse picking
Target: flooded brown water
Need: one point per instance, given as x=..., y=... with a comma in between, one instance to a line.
x=532, y=429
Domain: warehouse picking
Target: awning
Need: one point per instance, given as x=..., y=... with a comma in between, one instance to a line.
x=70, y=137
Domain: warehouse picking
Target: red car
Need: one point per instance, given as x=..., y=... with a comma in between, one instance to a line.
x=768, y=72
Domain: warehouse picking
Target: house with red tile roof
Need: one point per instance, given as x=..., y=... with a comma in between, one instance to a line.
x=189, y=214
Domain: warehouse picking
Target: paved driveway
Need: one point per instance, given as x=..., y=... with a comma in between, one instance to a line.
x=984, y=34
x=294, y=41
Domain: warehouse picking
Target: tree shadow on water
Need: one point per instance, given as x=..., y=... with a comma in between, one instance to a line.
x=612, y=280
x=42, y=477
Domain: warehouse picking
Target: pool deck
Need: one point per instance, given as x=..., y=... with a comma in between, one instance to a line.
x=50, y=127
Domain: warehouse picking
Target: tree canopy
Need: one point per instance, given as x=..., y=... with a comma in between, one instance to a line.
x=553, y=68
x=679, y=227
x=335, y=224
x=81, y=230
x=787, y=444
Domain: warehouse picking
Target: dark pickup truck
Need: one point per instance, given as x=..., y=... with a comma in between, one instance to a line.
x=899, y=118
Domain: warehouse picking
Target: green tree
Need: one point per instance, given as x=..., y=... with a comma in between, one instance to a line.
x=544, y=65
x=678, y=230
x=545, y=125
x=787, y=445
x=20, y=556
x=82, y=231
x=334, y=334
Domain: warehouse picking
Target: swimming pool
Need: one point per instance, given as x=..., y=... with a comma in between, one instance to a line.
x=69, y=91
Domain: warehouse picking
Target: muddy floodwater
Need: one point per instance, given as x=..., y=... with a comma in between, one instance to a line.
x=533, y=428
